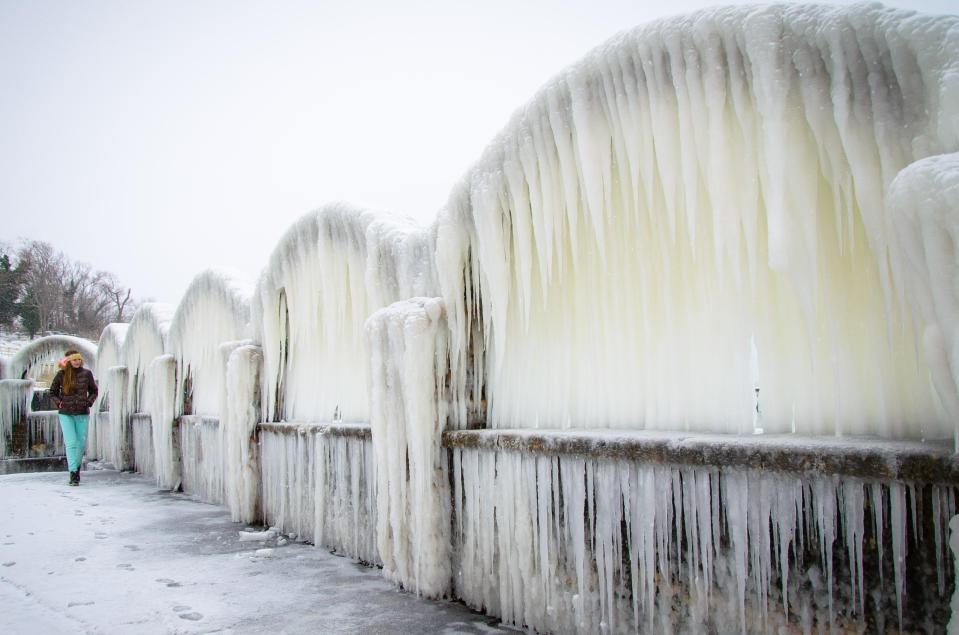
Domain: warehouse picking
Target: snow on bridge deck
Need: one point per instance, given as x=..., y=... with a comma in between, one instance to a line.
x=116, y=555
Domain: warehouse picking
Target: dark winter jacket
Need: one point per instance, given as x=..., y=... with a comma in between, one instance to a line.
x=83, y=392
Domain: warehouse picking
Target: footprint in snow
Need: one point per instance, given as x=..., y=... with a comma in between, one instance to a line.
x=77, y=512
x=126, y=566
x=99, y=535
x=72, y=604
x=193, y=617
x=131, y=547
x=170, y=583
x=79, y=559
x=9, y=564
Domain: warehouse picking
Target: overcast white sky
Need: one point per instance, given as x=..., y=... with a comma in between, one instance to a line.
x=155, y=139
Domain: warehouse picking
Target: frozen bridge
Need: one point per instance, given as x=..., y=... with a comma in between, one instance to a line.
x=543, y=404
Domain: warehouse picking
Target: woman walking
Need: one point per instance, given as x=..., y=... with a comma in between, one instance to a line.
x=75, y=390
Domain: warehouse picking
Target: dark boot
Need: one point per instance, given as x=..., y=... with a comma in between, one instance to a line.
x=74, y=478
x=78, y=475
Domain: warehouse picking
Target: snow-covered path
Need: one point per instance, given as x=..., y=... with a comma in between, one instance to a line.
x=117, y=556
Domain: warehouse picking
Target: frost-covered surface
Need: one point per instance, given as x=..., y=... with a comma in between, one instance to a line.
x=924, y=199
x=241, y=412
x=15, y=397
x=329, y=272
x=318, y=484
x=144, y=459
x=160, y=403
x=128, y=559
x=201, y=457
x=573, y=545
x=4, y=367
x=146, y=338
x=408, y=414
x=214, y=309
x=42, y=354
x=692, y=187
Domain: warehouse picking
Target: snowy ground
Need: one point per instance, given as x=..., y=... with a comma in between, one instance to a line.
x=117, y=556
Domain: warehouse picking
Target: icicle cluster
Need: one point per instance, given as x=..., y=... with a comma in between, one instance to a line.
x=318, y=484
x=44, y=435
x=201, y=457
x=408, y=415
x=160, y=403
x=144, y=457
x=331, y=270
x=692, y=187
x=240, y=413
x=345, y=501
x=214, y=309
x=42, y=354
x=15, y=395
x=567, y=544
x=146, y=338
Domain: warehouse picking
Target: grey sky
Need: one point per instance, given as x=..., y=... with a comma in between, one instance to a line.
x=155, y=139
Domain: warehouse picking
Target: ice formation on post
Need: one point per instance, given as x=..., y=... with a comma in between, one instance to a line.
x=329, y=272
x=690, y=187
x=159, y=402
x=146, y=338
x=214, y=309
x=117, y=450
x=408, y=415
x=109, y=354
x=239, y=415
x=924, y=200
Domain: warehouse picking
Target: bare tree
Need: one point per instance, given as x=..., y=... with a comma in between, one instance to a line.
x=118, y=295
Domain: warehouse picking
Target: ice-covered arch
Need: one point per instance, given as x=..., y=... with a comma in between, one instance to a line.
x=43, y=353
x=693, y=190
x=329, y=272
x=215, y=309
x=146, y=339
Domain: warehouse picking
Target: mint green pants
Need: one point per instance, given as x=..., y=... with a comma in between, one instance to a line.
x=74, y=438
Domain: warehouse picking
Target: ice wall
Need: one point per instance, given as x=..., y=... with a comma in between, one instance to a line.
x=240, y=414
x=691, y=187
x=408, y=344
x=42, y=354
x=329, y=272
x=214, y=309
x=146, y=338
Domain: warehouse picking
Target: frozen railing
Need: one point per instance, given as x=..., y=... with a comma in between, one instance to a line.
x=589, y=531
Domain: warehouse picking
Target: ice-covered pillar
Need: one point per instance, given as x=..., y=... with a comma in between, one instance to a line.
x=408, y=412
x=15, y=397
x=924, y=204
x=118, y=377
x=239, y=415
x=160, y=394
